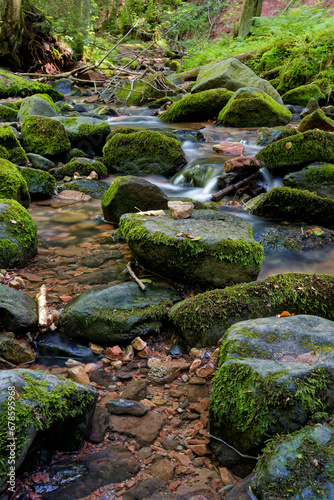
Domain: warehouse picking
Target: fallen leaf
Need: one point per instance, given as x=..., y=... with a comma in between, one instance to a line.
x=288, y=145
x=284, y=314
x=318, y=231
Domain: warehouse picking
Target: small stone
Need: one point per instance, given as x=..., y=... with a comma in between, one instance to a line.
x=205, y=371
x=124, y=374
x=96, y=349
x=90, y=368
x=195, y=353
x=200, y=449
x=114, y=353
x=78, y=374
x=129, y=354
x=180, y=209
x=233, y=148
x=175, y=393
x=197, y=381
x=184, y=377
x=70, y=194
x=135, y=391
x=226, y=476
x=194, y=365
x=93, y=175
x=16, y=283
x=145, y=453
x=169, y=444
x=116, y=365
x=138, y=344
x=157, y=400
x=144, y=353
x=215, y=353
x=70, y=363
x=123, y=407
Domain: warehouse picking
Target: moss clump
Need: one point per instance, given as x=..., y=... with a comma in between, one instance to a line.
x=203, y=319
x=7, y=114
x=12, y=85
x=49, y=100
x=318, y=179
x=45, y=136
x=197, y=107
x=18, y=234
x=295, y=204
x=12, y=184
x=142, y=91
x=83, y=166
x=40, y=407
x=300, y=96
x=253, y=108
x=297, y=151
x=40, y=184
x=143, y=152
x=317, y=119
x=10, y=148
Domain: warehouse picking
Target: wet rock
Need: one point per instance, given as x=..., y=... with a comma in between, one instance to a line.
x=136, y=390
x=175, y=351
x=203, y=249
x=318, y=120
x=202, y=483
x=300, y=96
x=267, y=135
x=18, y=311
x=10, y=147
x=86, y=133
x=311, y=106
x=126, y=407
x=162, y=469
x=95, y=189
x=45, y=136
x=149, y=489
x=40, y=184
x=57, y=344
x=165, y=372
x=101, y=377
x=99, y=258
x=83, y=166
x=78, y=374
x=240, y=491
x=15, y=351
x=116, y=314
x=144, y=429
x=41, y=105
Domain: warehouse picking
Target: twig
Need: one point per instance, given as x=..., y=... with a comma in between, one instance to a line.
x=45, y=318
x=134, y=277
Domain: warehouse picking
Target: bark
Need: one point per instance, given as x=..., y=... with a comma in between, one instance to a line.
x=250, y=9
x=11, y=24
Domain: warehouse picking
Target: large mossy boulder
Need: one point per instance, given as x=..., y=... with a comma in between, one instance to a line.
x=208, y=249
x=143, y=152
x=139, y=92
x=86, y=133
x=300, y=96
x=252, y=107
x=18, y=311
x=117, y=314
x=297, y=151
x=41, y=405
x=40, y=184
x=39, y=105
x=83, y=166
x=202, y=320
x=232, y=74
x=45, y=136
x=10, y=148
x=12, y=183
x=128, y=193
x=18, y=234
x=7, y=114
x=13, y=86
x=317, y=178
x=273, y=375
x=318, y=120
x=197, y=107
x=297, y=466
x=284, y=203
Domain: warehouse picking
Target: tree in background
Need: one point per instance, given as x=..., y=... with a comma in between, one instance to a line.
x=249, y=10
x=11, y=23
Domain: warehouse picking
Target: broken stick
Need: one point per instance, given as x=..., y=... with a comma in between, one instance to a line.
x=134, y=277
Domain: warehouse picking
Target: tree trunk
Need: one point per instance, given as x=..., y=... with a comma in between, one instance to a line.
x=11, y=24
x=250, y=9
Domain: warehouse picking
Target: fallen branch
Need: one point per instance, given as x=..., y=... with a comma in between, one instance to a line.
x=45, y=317
x=134, y=277
x=234, y=187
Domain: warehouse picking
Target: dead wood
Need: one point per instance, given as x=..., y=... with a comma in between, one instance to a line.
x=234, y=187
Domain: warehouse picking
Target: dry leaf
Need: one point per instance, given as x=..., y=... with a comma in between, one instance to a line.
x=284, y=314
x=288, y=145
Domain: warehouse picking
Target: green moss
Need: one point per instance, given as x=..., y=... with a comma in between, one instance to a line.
x=253, y=108
x=300, y=96
x=49, y=100
x=7, y=114
x=83, y=166
x=203, y=319
x=36, y=406
x=40, y=184
x=12, y=85
x=197, y=107
x=44, y=136
x=320, y=175
x=18, y=239
x=267, y=135
x=10, y=148
x=12, y=183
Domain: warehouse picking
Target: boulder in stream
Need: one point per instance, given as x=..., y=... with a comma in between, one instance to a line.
x=143, y=152
x=267, y=135
x=273, y=375
x=12, y=184
x=117, y=314
x=42, y=402
x=139, y=92
x=40, y=184
x=10, y=148
x=18, y=234
x=252, y=107
x=45, y=136
x=197, y=107
x=86, y=133
x=210, y=248
x=318, y=120
x=83, y=166
x=317, y=178
x=12, y=85
x=202, y=320
x=39, y=105
x=300, y=96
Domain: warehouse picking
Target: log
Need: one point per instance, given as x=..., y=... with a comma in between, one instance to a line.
x=234, y=187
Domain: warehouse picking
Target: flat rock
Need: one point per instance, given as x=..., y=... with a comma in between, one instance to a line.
x=126, y=407
x=145, y=429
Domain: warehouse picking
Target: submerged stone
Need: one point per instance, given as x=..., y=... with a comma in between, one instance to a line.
x=267, y=135
x=95, y=189
x=209, y=249
x=83, y=166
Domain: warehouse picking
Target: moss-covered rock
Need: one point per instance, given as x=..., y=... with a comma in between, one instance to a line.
x=318, y=120
x=297, y=466
x=198, y=107
x=297, y=151
x=273, y=375
x=300, y=96
x=93, y=188
x=40, y=184
x=286, y=203
x=295, y=239
x=128, y=193
x=45, y=136
x=41, y=401
x=203, y=319
x=15, y=351
x=143, y=152
x=150, y=87
x=232, y=75
x=268, y=135
x=38, y=105
x=12, y=184
x=7, y=114
x=18, y=311
x=86, y=133
x=13, y=85
x=10, y=148
x=18, y=234
x=317, y=178
x=117, y=314
x=83, y=166
x=208, y=249
x=251, y=107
